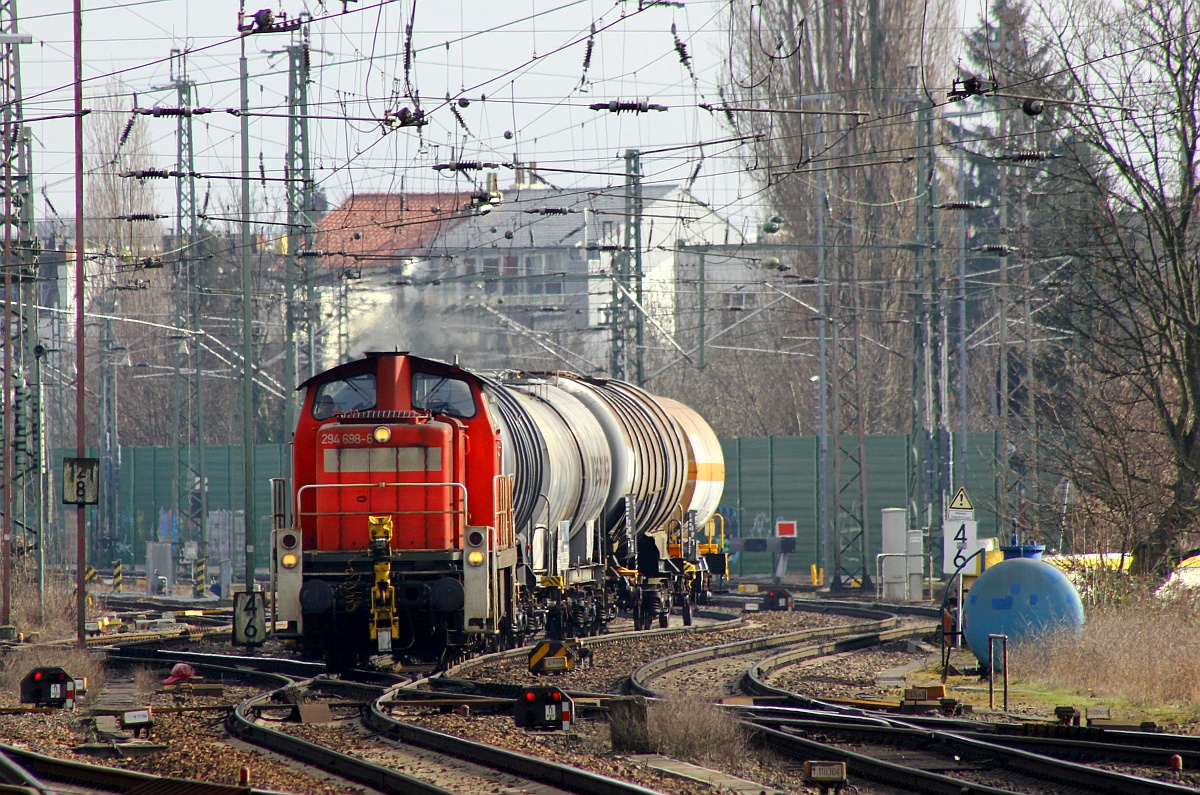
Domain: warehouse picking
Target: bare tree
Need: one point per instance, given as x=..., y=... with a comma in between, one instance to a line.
x=118, y=144
x=126, y=275
x=875, y=64
x=1133, y=70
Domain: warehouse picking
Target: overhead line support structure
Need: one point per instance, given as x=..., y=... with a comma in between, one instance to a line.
x=929, y=438
x=189, y=476
x=626, y=322
x=300, y=313
x=250, y=512
x=262, y=22
x=80, y=359
x=22, y=428
x=848, y=486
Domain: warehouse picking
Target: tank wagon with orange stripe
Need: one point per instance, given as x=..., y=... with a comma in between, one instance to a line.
x=437, y=512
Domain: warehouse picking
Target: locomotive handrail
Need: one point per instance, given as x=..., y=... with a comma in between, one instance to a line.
x=300, y=493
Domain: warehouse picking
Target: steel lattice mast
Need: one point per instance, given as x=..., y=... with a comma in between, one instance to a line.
x=189, y=477
x=300, y=322
x=22, y=430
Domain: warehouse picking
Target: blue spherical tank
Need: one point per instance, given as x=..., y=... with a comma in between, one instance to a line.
x=1018, y=597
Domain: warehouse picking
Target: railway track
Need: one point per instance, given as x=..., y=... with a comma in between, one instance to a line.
x=976, y=760
x=471, y=765
x=1045, y=758
x=34, y=773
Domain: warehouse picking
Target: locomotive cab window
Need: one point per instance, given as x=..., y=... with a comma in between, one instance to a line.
x=442, y=394
x=356, y=393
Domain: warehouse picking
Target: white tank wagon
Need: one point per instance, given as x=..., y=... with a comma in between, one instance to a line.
x=609, y=479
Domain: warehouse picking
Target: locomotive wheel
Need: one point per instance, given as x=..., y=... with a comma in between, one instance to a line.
x=687, y=612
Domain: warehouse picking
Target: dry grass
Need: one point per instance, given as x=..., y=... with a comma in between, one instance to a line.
x=79, y=664
x=690, y=728
x=146, y=681
x=57, y=621
x=1144, y=651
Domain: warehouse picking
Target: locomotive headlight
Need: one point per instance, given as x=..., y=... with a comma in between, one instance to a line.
x=381, y=434
x=289, y=560
x=475, y=558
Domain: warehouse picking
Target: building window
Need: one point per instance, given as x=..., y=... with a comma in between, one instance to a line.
x=553, y=282
x=738, y=301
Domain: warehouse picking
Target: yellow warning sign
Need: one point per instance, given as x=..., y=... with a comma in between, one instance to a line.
x=961, y=502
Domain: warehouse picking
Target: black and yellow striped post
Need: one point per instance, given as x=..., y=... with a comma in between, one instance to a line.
x=118, y=578
x=200, y=581
x=90, y=575
x=551, y=656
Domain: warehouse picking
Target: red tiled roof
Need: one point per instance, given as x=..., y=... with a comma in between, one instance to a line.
x=368, y=229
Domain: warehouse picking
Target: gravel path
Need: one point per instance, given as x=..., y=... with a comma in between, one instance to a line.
x=847, y=676
x=196, y=745
x=351, y=737
x=589, y=748
x=613, y=664
x=711, y=679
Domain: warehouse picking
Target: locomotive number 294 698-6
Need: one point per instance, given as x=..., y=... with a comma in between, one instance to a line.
x=345, y=438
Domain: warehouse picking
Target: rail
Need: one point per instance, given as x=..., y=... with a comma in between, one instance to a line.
x=582, y=782
x=1025, y=762
x=110, y=779
x=243, y=726
x=722, y=621
x=867, y=633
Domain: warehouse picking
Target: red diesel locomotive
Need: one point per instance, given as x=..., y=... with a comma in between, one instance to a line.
x=437, y=512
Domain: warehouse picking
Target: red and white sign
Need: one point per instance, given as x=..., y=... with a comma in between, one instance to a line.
x=785, y=529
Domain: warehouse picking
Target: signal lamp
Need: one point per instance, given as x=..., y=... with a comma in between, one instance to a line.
x=288, y=541
x=475, y=558
x=530, y=696
x=475, y=538
x=289, y=560
x=381, y=434
x=37, y=676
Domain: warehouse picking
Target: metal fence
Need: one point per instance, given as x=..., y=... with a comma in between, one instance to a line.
x=766, y=479
x=774, y=478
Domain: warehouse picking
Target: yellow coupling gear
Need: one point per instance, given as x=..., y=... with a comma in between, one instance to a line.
x=385, y=623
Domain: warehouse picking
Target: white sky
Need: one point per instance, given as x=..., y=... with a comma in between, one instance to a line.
x=525, y=55
x=362, y=65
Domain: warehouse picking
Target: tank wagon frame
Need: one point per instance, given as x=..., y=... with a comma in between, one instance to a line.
x=436, y=512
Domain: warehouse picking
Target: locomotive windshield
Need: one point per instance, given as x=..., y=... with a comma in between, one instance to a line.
x=442, y=394
x=355, y=393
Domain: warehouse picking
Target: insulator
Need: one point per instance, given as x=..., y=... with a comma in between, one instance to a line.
x=408, y=30
x=460, y=165
x=997, y=249
x=621, y=106
x=587, y=53
x=125, y=133
x=147, y=173
x=681, y=48
x=1026, y=155
x=459, y=118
